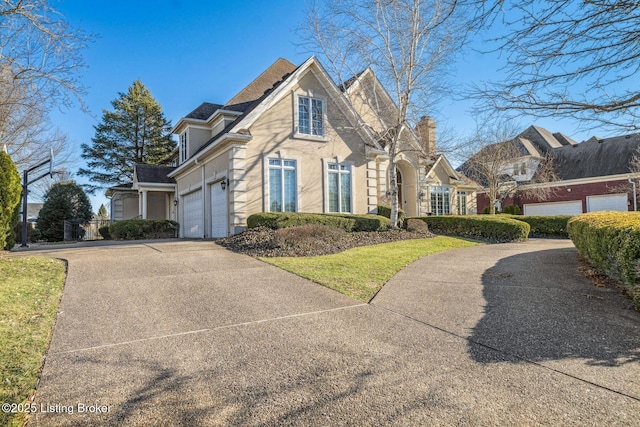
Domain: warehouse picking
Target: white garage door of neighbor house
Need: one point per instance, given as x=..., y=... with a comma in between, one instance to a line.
x=192, y=223
x=219, y=216
x=573, y=207
x=607, y=202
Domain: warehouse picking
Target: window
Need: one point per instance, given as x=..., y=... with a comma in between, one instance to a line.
x=462, y=202
x=440, y=201
x=310, y=116
x=183, y=147
x=339, y=187
x=523, y=169
x=282, y=185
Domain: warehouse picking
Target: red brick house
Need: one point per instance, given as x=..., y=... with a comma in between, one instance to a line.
x=594, y=175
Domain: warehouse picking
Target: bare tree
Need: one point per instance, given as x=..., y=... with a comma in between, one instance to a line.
x=408, y=44
x=565, y=59
x=500, y=162
x=39, y=70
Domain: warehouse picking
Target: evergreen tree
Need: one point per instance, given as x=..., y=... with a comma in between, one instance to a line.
x=136, y=131
x=65, y=201
x=102, y=212
x=10, y=190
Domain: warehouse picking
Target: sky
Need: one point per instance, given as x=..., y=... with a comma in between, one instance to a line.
x=189, y=52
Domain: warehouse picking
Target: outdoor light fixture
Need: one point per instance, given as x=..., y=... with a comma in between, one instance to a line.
x=175, y=202
x=421, y=195
x=224, y=184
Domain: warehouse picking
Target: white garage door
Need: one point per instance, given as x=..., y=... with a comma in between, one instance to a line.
x=192, y=223
x=573, y=207
x=607, y=202
x=219, y=216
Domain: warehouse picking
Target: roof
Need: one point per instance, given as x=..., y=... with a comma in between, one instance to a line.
x=154, y=173
x=204, y=111
x=597, y=157
x=264, y=82
x=252, y=95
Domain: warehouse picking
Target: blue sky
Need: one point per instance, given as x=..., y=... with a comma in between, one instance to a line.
x=188, y=52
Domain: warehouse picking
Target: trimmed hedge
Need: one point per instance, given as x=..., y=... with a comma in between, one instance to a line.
x=545, y=226
x=492, y=228
x=135, y=229
x=276, y=220
x=611, y=242
x=385, y=211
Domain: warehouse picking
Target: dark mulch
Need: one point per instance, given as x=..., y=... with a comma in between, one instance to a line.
x=310, y=240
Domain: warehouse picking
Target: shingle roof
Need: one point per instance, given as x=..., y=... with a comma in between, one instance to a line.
x=597, y=157
x=154, y=173
x=264, y=82
x=204, y=111
x=252, y=95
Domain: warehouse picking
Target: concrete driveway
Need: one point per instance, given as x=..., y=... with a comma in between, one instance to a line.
x=187, y=333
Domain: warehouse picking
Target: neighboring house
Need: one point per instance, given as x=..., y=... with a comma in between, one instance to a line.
x=33, y=211
x=291, y=141
x=591, y=176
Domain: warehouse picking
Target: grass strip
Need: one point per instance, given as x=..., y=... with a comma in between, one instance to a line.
x=361, y=272
x=30, y=290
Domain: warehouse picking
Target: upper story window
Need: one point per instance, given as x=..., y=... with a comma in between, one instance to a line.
x=183, y=147
x=310, y=116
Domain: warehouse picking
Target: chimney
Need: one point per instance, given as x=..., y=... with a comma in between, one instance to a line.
x=4, y=147
x=426, y=130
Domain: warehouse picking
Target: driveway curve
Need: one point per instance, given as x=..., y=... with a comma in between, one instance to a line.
x=188, y=333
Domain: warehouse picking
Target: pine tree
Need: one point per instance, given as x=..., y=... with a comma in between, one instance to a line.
x=136, y=131
x=102, y=212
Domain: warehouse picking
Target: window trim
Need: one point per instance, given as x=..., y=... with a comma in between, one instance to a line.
x=296, y=118
x=439, y=189
x=184, y=150
x=459, y=196
x=325, y=169
x=267, y=185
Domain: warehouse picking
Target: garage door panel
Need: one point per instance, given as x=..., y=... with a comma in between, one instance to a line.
x=607, y=202
x=219, y=212
x=192, y=221
x=572, y=207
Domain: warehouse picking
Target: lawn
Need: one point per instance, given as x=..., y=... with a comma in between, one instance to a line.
x=361, y=272
x=30, y=290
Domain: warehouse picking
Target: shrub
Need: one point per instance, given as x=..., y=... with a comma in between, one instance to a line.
x=512, y=210
x=491, y=228
x=486, y=210
x=308, y=234
x=277, y=220
x=611, y=242
x=134, y=229
x=10, y=190
x=385, y=211
x=104, y=232
x=32, y=236
x=546, y=226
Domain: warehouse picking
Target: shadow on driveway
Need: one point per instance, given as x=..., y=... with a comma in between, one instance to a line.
x=538, y=307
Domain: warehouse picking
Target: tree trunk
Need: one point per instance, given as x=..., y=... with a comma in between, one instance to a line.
x=393, y=188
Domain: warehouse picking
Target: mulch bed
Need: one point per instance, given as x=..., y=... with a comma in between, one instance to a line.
x=310, y=240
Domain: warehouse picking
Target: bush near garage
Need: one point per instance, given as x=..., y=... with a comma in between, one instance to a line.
x=552, y=226
x=611, y=243
x=385, y=211
x=135, y=229
x=491, y=228
x=277, y=220
x=512, y=210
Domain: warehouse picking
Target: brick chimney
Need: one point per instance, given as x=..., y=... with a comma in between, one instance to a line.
x=426, y=130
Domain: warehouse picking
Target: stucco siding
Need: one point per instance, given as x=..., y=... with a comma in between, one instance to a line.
x=274, y=136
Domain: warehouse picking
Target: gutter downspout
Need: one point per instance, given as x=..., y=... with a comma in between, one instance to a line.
x=635, y=195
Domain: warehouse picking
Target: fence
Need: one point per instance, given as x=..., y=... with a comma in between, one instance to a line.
x=75, y=231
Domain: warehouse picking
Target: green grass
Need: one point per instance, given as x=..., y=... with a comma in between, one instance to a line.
x=30, y=290
x=361, y=272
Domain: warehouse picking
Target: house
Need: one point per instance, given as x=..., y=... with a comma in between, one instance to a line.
x=594, y=175
x=290, y=141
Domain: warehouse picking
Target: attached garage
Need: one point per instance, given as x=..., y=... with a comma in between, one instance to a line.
x=219, y=212
x=573, y=207
x=607, y=202
x=192, y=221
